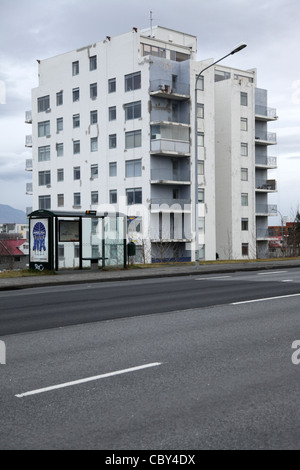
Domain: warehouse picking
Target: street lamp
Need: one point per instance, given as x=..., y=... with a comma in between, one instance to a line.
x=238, y=48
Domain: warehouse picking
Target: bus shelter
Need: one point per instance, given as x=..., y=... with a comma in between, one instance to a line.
x=70, y=240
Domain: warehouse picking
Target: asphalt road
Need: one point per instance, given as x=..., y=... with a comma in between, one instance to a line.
x=50, y=307
x=202, y=371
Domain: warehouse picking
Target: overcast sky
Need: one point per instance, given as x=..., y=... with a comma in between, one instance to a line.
x=37, y=29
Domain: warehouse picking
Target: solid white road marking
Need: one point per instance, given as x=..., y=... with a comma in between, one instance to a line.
x=267, y=298
x=88, y=379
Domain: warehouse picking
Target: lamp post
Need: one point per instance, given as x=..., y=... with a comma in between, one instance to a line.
x=234, y=51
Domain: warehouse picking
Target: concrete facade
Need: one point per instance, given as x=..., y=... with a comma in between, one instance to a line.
x=113, y=126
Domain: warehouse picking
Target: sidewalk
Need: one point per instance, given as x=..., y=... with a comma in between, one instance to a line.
x=90, y=276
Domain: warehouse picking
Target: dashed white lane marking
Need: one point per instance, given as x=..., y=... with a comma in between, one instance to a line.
x=88, y=379
x=266, y=298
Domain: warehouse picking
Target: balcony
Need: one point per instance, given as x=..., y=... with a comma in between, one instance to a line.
x=166, y=89
x=266, y=138
x=169, y=176
x=262, y=234
x=266, y=209
x=28, y=141
x=29, y=188
x=160, y=204
x=263, y=113
x=266, y=162
x=265, y=185
x=170, y=147
x=28, y=117
x=28, y=164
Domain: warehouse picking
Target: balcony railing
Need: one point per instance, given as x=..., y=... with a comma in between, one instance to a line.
x=163, y=174
x=266, y=185
x=268, y=113
x=28, y=165
x=171, y=203
x=268, y=162
x=170, y=147
x=165, y=87
x=262, y=233
x=28, y=141
x=266, y=209
x=266, y=137
x=28, y=117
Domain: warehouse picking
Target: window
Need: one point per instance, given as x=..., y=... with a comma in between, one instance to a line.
x=60, y=200
x=93, y=63
x=153, y=50
x=93, y=91
x=75, y=68
x=61, y=251
x=245, y=249
x=76, y=120
x=244, y=174
x=201, y=224
x=111, y=85
x=59, y=98
x=94, y=144
x=244, y=124
x=133, y=110
x=201, y=195
x=77, y=199
x=113, y=169
x=76, y=147
x=44, y=129
x=200, y=110
x=44, y=153
x=75, y=94
x=60, y=149
x=133, y=139
x=244, y=99
x=245, y=225
x=44, y=178
x=200, y=139
x=244, y=199
x=112, y=141
x=94, y=197
x=221, y=75
x=76, y=251
x=200, y=169
x=59, y=124
x=43, y=103
x=134, y=196
x=244, y=149
x=60, y=175
x=94, y=171
x=133, y=81
x=45, y=202
x=76, y=172
x=133, y=168
x=94, y=117
x=112, y=113
x=113, y=196
x=200, y=83
x=179, y=56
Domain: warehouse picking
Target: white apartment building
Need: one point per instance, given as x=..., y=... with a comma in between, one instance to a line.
x=113, y=127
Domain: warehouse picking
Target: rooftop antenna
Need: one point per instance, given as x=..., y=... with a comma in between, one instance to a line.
x=151, y=19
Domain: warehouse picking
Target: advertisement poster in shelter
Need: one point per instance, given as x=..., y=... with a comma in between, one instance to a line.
x=39, y=241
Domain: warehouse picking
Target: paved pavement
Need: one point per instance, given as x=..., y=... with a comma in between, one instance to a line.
x=91, y=276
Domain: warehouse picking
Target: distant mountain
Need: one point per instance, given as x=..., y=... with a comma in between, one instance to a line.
x=9, y=215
